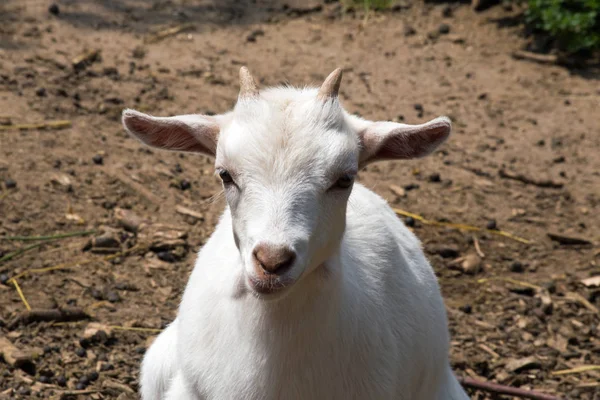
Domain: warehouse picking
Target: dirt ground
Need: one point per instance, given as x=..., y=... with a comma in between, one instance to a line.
x=523, y=157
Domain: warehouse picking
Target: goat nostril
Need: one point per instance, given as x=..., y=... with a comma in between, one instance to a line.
x=274, y=259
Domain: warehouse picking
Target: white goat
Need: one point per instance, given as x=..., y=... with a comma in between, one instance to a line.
x=310, y=287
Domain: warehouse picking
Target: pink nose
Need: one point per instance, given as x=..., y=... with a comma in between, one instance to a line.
x=273, y=259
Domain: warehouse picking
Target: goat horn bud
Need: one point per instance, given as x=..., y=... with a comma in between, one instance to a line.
x=331, y=86
x=248, y=87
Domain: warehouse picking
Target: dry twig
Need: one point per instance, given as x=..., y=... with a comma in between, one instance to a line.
x=41, y=125
x=48, y=237
x=462, y=227
x=165, y=33
x=529, y=181
x=491, y=387
x=66, y=314
x=577, y=370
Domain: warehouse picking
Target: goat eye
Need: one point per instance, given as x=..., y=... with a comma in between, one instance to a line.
x=225, y=176
x=344, y=182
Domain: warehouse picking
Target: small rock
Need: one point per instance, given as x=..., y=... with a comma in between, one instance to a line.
x=10, y=183
x=467, y=309
x=409, y=30
x=491, y=225
x=523, y=364
x=41, y=92
x=559, y=160
x=140, y=350
x=80, y=386
x=96, y=294
x=409, y=221
x=184, y=184
x=166, y=256
x=444, y=29
x=435, y=177
x=517, y=266
x=4, y=278
x=61, y=380
x=84, y=380
x=54, y=9
x=98, y=159
x=24, y=391
x=113, y=296
x=254, y=34
x=447, y=11
x=106, y=367
x=138, y=52
x=418, y=107
x=541, y=143
x=44, y=379
x=80, y=352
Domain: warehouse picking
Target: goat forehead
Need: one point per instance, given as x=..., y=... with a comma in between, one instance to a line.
x=288, y=131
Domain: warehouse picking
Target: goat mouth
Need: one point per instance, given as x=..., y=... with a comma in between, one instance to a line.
x=268, y=285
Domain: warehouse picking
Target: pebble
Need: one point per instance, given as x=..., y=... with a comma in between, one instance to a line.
x=444, y=29
x=80, y=352
x=61, y=380
x=409, y=30
x=435, y=177
x=93, y=376
x=447, y=11
x=184, y=184
x=84, y=380
x=80, y=386
x=467, y=309
x=140, y=350
x=411, y=186
x=4, y=278
x=98, y=159
x=418, y=107
x=517, y=266
x=41, y=92
x=166, y=256
x=409, y=221
x=113, y=296
x=10, y=183
x=44, y=379
x=492, y=225
x=106, y=367
x=96, y=294
x=54, y=9
x=24, y=391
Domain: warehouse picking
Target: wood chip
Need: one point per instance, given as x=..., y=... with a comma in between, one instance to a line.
x=523, y=364
x=471, y=264
x=186, y=211
x=397, y=190
x=594, y=281
x=14, y=356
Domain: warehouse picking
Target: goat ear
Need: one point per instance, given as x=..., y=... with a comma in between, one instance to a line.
x=392, y=141
x=191, y=133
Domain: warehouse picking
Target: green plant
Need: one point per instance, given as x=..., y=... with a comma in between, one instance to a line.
x=573, y=24
x=370, y=4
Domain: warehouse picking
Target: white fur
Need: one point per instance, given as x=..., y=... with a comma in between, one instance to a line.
x=362, y=318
